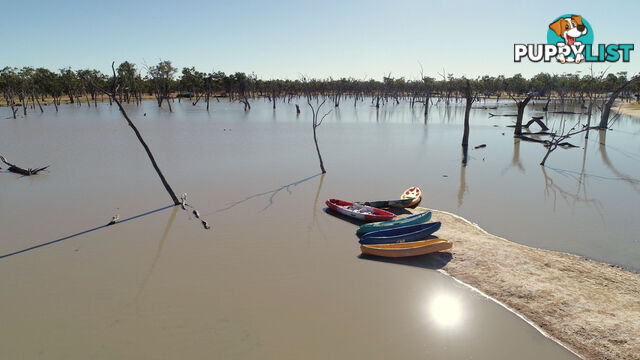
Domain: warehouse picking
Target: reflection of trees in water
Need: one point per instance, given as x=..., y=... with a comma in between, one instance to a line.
x=570, y=197
x=515, y=160
x=581, y=179
x=386, y=113
x=314, y=221
x=446, y=114
x=163, y=238
x=463, y=175
x=336, y=114
x=580, y=195
x=605, y=159
x=272, y=194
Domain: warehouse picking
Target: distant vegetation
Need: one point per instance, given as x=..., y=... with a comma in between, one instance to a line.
x=28, y=87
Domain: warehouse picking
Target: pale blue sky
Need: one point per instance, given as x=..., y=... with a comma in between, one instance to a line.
x=284, y=39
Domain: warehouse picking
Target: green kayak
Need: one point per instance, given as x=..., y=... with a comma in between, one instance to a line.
x=385, y=225
x=400, y=203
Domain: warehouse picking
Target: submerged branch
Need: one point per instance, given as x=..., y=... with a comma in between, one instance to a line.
x=18, y=170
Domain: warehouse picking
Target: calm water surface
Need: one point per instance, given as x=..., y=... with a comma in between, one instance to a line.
x=276, y=277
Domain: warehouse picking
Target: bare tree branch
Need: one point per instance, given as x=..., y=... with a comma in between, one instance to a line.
x=138, y=135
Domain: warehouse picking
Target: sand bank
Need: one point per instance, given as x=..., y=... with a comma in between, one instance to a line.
x=628, y=109
x=591, y=308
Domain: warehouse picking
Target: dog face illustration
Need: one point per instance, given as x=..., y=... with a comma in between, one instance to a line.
x=569, y=28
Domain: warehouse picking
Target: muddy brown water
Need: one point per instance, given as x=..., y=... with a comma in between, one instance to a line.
x=277, y=277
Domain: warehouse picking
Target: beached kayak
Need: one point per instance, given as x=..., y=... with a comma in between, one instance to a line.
x=407, y=249
x=357, y=211
x=400, y=234
x=401, y=203
x=412, y=193
x=385, y=225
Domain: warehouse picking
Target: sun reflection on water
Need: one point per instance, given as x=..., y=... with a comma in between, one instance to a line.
x=445, y=310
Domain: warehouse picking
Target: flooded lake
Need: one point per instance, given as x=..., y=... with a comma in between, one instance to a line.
x=277, y=277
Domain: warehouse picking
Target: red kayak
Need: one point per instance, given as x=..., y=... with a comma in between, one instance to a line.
x=360, y=212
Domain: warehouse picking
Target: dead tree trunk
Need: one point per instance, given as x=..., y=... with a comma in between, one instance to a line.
x=18, y=170
x=245, y=101
x=426, y=104
x=317, y=123
x=9, y=99
x=589, y=110
x=521, y=105
x=112, y=95
x=23, y=100
x=34, y=97
x=559, y=140
x=546, y=106
x=604, y=118
x=467, y=110
x=168, y=103
x=208, y=80
x=537, y=121
x=159, y=97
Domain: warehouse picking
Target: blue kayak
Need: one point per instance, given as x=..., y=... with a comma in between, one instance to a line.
x=400, y=234
x=386, y=225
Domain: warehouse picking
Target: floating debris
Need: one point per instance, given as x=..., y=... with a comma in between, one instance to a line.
x=492, y=115
x=480, y=146
x=18, y=170
x=183, y=201
x=114, y=219
x=206, y=225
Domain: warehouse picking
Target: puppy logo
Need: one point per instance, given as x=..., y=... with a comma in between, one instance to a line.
x=568, y=31
x=570, y=40
x=569, y=28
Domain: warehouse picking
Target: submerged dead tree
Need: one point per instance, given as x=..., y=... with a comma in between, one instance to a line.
x=316, y=123
x=604, y=117
x=18, y=170
x=517, y=86
x=591, y=89
x=521, y=104
x=315, y=111
x=469, y=96
x=559, y=139
x=112, y=95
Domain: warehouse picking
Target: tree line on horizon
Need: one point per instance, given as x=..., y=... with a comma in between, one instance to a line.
x=31, y=87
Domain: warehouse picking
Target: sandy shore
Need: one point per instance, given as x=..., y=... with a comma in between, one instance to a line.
x=629, y=109
x=589, y=307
